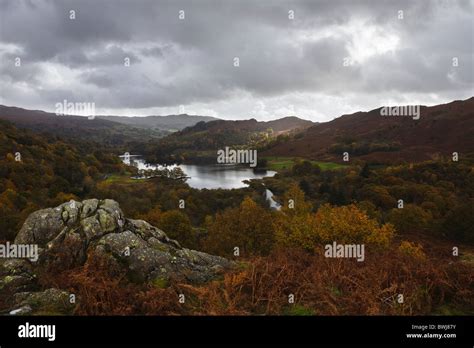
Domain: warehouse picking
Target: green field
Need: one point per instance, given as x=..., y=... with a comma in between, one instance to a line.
x=121, y=179
x=279, y=163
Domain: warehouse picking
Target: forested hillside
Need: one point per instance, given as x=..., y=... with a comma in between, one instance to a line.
x=200, y=142
x=439, y=131
x=38, y=171
x=80, y=129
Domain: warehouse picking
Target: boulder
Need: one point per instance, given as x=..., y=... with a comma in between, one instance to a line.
x=49, y=302
x=67, y=234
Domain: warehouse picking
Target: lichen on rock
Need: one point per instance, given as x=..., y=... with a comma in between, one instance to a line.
x=70, y=232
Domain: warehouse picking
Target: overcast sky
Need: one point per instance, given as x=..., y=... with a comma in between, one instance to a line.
x=292, y=56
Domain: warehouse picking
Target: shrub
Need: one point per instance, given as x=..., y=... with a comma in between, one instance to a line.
x=346, y=224
x=410, y=218
x=349, y=224
x=459, y=222
x=320, y=286
x=323, y=286
x=247, y=227
x=177, y=226
x=412, y=250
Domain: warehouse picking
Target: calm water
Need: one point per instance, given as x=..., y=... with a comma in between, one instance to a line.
x=212, y=176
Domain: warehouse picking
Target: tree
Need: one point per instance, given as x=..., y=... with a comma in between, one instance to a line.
x=248, y=227
x=378, y=195
x=365, y=172
x=262, y=163
x=305, y=186
x=459, y=222
x=294, y=224
x=349, y=224
x=294, y=202
x=305, y=168
x=410, y=218
x=177, y=226
x=346, y=224
x=370, y=209
x=153, y=216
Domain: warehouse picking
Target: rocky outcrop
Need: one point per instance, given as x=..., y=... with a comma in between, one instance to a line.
x=71, y=232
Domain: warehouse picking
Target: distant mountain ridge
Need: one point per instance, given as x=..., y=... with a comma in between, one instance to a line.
x=169, y=122
x=281, y=125
x=182, y=133
x=440, y=131
x=200, y=142
x=72, y=127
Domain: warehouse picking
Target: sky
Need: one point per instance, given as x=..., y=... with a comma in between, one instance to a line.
x=235, y=59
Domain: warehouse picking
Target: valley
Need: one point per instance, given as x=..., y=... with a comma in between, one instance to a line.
x=175, y=172
x=300, y=197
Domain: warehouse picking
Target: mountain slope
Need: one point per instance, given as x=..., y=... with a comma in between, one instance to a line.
x=201, y=141
x=441, y=130
x=282, y=125
x=105, y=132
x=169, y=123
x=38, y=170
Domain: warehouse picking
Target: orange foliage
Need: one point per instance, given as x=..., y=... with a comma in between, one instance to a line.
x=320, y=286
x=247, y=227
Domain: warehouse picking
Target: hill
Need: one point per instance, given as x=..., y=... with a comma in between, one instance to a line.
x=200, y=142
x=103, y=131
x=440, y=131
x=38, y=170
x=170, y=123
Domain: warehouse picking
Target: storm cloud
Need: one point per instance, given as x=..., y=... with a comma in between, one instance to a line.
x=313, y=59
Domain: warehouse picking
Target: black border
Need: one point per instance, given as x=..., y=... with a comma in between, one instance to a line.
x=220, y=330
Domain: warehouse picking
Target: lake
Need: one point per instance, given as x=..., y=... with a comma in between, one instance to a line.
x=210, y=176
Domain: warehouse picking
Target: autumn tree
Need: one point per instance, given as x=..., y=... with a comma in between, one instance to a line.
x=459, y=223
x=247, y=227
x=177, y=226
x=295, y=224
x=152, y=216
x=299, y=227
x=410, y=218
x=349, y=224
